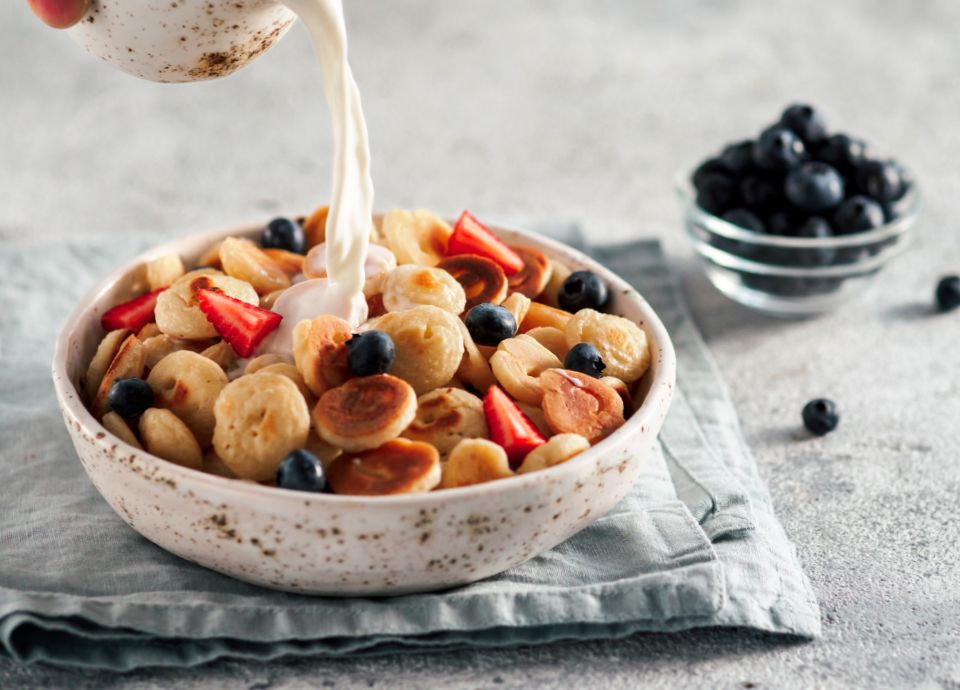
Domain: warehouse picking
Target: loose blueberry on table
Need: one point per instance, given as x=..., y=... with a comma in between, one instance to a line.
x=820, y=416
x=948, y=293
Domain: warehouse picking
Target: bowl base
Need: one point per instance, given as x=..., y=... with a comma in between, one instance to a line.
x=783, y=307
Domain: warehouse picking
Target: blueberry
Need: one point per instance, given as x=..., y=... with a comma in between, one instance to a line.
x=717, y=193
x=778, y=148
x=370, y=353
x=804, y=121
x=738, y=158
x=841, y=151
x=814, y=187
x=815, y=228
x=130, y=398
x=894, y=209
x=489, y=324
x=850, y=187
x=583, y=290
x=585, y=358
x=948, y=293
x=301, y=471
x=906, y=175
x=781, y=223
x=880, y=180
x=745, y=219
x=283, y=233
x=761, y=193
x=857, y=214
x=820, y=416
x=890, y=212
x=709, y=167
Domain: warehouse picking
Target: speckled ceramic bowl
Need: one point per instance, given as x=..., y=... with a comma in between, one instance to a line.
x=345, y=545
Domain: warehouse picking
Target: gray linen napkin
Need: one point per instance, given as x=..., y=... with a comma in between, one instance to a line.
x=696, y=543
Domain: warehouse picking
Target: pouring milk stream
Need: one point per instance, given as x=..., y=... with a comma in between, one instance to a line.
x=189, y=41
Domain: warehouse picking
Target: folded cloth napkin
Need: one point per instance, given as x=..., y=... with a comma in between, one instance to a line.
x=696, y=543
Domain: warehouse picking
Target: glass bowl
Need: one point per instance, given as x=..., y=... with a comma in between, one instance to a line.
x=793, y=276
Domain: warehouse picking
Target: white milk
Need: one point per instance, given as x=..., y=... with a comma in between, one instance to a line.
x=351, y=201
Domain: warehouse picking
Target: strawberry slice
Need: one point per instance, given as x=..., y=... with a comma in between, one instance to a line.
x=132, y=315
x=242, y=325
x=470, y=236
x=509, y=426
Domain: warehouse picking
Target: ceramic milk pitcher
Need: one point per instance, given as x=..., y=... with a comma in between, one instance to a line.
x=181, y=40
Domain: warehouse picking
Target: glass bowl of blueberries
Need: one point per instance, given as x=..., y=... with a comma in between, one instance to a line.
x=798, y=220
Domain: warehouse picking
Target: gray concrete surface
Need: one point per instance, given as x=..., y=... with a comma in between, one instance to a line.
x=584, y=110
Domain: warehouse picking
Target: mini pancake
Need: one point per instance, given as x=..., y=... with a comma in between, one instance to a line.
x=580, y=404
x=535, y=274
x=365, y=412
x=482, y=279
x=397, y=467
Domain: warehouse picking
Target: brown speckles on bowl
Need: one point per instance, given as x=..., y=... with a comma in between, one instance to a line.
x=222, y=528
x=183, y=41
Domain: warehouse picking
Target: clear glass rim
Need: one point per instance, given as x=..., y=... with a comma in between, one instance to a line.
x=733, y=262
x=912, y=203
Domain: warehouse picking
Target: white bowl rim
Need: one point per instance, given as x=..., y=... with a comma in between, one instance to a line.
x=658, y=394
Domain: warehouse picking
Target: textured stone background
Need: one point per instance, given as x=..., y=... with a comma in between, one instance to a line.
x=585, y=110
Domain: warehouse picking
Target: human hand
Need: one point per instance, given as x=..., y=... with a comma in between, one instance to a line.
x=60, y=14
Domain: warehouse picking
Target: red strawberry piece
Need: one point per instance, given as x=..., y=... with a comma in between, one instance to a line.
x=242, y=325
x=470, y=236
x=509, y=426
x=132, y=315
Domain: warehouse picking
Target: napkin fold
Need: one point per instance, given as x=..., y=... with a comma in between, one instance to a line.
x=695, y=544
